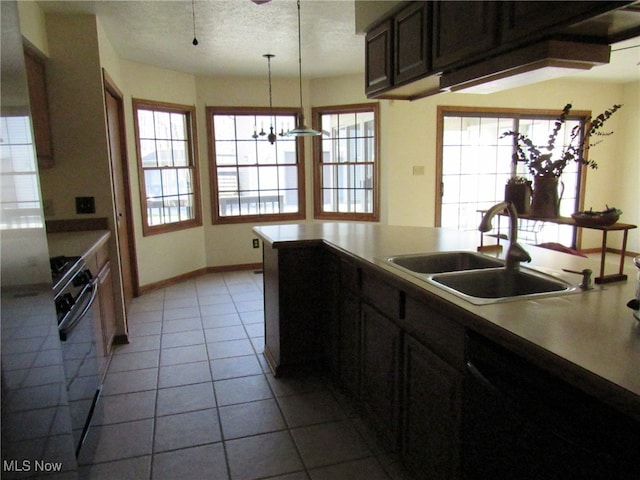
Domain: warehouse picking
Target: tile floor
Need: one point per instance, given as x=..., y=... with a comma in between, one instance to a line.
x=191, y=397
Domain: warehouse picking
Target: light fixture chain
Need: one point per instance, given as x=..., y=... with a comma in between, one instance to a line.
x=269, y=66
x=299, y=54
x=193, y=15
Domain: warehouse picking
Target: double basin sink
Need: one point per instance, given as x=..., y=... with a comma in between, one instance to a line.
x=478, y=278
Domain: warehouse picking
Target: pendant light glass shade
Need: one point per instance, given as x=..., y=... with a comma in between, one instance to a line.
x=301, y=129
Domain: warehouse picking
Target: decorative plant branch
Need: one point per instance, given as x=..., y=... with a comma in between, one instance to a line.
x=517, y=180
x=539, y=158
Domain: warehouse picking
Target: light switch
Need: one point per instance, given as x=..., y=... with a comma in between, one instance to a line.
x=418, y=170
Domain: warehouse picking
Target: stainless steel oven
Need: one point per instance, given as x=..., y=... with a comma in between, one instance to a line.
x=75, y=290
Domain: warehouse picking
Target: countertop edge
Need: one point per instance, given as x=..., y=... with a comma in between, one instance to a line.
x=80, y=243
x=611, y=392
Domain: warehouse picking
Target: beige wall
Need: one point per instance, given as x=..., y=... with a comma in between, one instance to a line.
x=172, y=254
x=411, y=140
x=408, y=138
x=33, y=25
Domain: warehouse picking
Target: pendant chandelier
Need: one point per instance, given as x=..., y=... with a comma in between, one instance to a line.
x=301, y=129
x=271, y=136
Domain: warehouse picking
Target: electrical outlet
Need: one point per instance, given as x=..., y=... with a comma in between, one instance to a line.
x=85, y=205
x=256, y=243
x=418, y=170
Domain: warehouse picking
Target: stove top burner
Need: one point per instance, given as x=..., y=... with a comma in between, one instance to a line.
x=58, y=264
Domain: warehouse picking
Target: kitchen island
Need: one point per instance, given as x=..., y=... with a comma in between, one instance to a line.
x=333, y=301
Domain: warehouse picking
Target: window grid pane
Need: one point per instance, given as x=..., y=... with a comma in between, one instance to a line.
x=168, y=167
x=255, y=177
x=348, y=162
x=476, y=164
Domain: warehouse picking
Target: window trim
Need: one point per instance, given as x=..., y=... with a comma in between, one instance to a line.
x=443, y=110
x=316, y=113
x=190, y=113
x=216, y=218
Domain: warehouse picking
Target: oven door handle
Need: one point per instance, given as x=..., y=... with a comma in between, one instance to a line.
x=71, y=320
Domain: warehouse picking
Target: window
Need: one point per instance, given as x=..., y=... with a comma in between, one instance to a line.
x=20, y=201
x=252, y=179
x=475, y=164
x=346, y=162
x=167, y=164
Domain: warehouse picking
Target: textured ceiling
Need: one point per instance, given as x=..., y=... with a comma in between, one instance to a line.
x=234, y=34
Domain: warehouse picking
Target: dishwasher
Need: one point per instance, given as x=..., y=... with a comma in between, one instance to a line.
x=521, y=422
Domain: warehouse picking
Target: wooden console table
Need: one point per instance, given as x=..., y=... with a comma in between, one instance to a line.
x=624, y=227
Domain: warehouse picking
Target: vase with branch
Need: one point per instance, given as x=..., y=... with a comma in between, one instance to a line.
x=545, y=165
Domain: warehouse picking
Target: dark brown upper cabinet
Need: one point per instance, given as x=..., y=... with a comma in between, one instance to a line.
x=534, y=20
x=408, y=50
x=526, y=21
x=378, y=63
x=462, y=30
x=412, y=43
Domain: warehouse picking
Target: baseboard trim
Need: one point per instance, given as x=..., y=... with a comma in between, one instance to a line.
x=610, y=250
x=197, y=273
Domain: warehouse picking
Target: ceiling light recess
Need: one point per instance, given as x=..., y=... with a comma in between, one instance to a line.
x=301, y=129
x=542, y=61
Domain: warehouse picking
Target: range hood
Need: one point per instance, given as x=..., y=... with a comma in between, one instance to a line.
x=535, y=63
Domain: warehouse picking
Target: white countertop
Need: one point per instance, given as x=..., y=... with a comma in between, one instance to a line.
x=591, y=338
x=81, y=243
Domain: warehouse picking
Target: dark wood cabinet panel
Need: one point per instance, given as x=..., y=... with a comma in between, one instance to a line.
x=39, y=104
x=331, y=309
x=349, y=343
x=378, y=58
x=535, y=20
x=442, y=335
x=296, y=334
x=379, y=293
x=462, y=30
x=412, y=44
x=431, y=414
x=410, y=48
x=381, y=349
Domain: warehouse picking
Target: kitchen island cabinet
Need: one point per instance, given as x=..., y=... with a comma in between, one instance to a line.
x=401, y=343
x=430, y=413
x=295, y=334
x=380, y=371
x=349, y=342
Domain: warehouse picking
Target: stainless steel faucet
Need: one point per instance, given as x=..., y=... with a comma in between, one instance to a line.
x=515, y=252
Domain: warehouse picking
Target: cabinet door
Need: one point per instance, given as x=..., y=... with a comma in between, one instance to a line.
x=331, y=307
x=412, y=45
x=462, y=30
x=534, y=20
x=431, y=413
x=378, y=56
x=349, y=343
x=381, y=340
x=107, y=307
